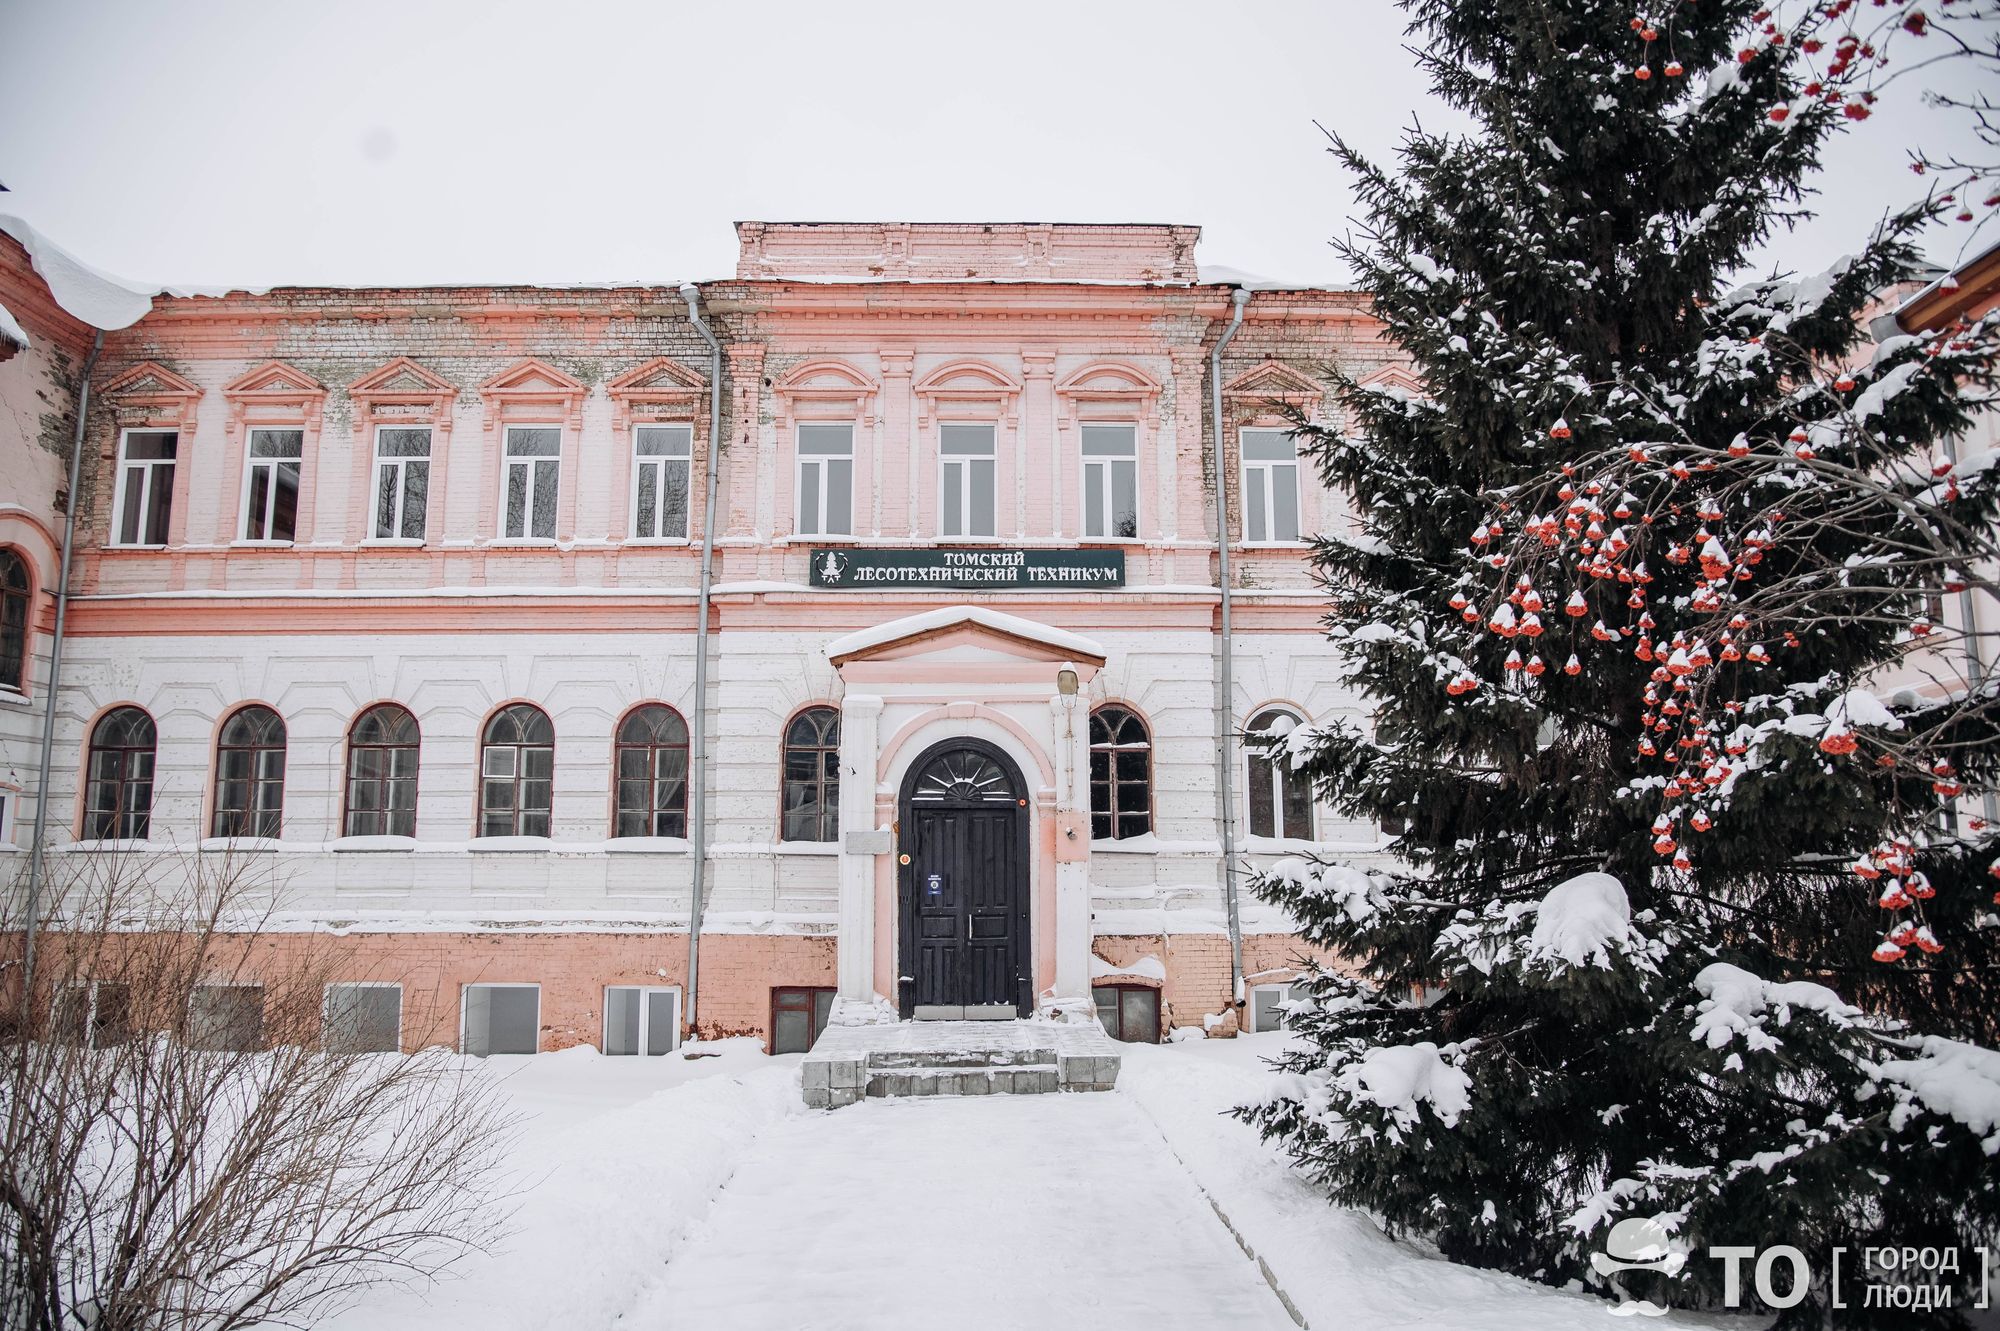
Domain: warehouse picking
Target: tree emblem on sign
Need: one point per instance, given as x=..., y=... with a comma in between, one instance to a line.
x=831, y=566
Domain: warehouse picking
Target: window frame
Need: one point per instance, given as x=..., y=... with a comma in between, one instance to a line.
x=121, y=830
x=1283, y=989
x=251, y=462
x=465, y=1006
x=641, y=462
x=1278, y=777
x=261, y=1040
x=254, y=784
x=531, y=463
x=1115, y=781
x=1244, y=466
x=816, y=1024
x=17, y=615
x=828, y=811
x=150, y=484
x=347, y=809
x=653, y=810
x=800, y=460
x=377, y=464
x=326, y=1004
x=1159, y=1009
x=962, y=463
x=93, y=1019
x=644, y=991
x=516, y=777
x=1104, y=462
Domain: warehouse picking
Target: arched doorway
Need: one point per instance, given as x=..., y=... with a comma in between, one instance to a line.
x=964, y=948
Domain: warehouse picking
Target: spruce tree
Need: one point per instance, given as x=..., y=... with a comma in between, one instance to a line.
x=1689, y=926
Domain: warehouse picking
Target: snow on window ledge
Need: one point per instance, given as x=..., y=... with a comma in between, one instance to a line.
x=360, y=844
x=252, y=845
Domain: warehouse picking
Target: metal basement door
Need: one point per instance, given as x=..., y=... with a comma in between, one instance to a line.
x=964, y=888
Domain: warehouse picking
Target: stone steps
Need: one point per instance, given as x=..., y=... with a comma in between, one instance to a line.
x=1016, y=1079
x=923, y=1059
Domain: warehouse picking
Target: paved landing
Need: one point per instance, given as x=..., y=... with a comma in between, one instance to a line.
x=1013, y=1211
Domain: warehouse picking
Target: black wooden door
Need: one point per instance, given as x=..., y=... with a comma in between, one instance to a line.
x=964, y=889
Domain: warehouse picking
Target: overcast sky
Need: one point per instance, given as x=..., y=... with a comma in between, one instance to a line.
x=418, y=140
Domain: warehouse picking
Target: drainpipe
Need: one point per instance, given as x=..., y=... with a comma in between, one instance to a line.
x=37, y=859
x=698, y=736
x=1225, y=684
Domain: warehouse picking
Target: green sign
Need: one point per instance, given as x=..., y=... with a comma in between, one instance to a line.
x=981, y=567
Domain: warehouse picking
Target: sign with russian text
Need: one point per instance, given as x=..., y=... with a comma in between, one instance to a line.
x=982, y=567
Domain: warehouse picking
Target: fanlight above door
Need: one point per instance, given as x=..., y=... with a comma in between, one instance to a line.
x=963, y=777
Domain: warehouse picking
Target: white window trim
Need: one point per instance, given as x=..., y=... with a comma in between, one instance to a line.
x=1243, y=466
x=645, y=1018
x=1085, y=463
x=326, y=1003
x=1279, y=832
x=507, y=461
x=124, y=472
x=1281, y=993
x=465, y=999
x=250, y=463
x=800, y=458
x=965, y=484
x=660, y=460
x=376, y=464
x=10, y=796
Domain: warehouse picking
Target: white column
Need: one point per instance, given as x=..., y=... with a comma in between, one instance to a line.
x=860, y=721
x=1071, y=752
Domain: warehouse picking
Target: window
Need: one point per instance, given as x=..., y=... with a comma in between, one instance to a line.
x=797, y=1017
x=1130, y=1012
x=402, y=481
x=1280, y=798
x=250, y=774
x=652, y=773
x=826, y=480
x=271, y=494
x=662, y=455
x=965, y=480
x=118, y=802
x=365, y=1018
x=1121, y=775
x=501, y=1019
x=382, y=773
x=227, y=1017
x=145, y=503
x=534, y=474
x=812, y=776
x=14, y=606
x=1110, y=482
x=640, y=1021
x=96, y=1014
x=1267, y=1005
x=1270, y=486
x=517, y=772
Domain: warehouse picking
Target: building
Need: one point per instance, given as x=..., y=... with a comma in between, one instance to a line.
x=402, y=589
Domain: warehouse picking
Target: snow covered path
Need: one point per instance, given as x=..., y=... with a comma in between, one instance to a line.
x=1001, y=1211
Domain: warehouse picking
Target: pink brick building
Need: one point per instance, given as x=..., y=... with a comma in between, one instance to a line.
x=404, y=589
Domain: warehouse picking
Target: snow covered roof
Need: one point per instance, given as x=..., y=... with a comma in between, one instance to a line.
x=91, y=295
x=950, y=616
x=13, y=337
x=1959, y=290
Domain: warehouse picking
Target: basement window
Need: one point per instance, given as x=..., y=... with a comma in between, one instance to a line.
x=501, y=1019
x=1267, y=1005
x=798, y=1015
x=226, y=1017
x=363, y=1018
x=1130, y=1012
x=643, y=1021
x=94, y=1013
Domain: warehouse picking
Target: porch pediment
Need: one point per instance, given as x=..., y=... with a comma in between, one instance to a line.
x=966, y=633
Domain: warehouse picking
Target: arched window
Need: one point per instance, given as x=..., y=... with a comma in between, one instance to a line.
x=250, y=774
x=13, y=621
x=382, y=773
x=1121, y=775
x=1280, y=798
x=118, y=805
x=517, y=767
x=652, y=772
x=812, y=776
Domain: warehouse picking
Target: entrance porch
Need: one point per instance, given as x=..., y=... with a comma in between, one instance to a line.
x=920, y=1058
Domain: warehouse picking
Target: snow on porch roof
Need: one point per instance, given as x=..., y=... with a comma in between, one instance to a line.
x=930, y=621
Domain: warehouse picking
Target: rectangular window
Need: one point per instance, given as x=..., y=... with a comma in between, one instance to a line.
x=1129, y=1012
x=533, y=476
x=1267, y=1005
x=96, y=1013
x=402, y=481
x=826, y=480
x=501, y=1019
x=662, y=455
x=271, y=490
x=145, y=503
x=227, y=1017
x=1270, y=486
x=965, y=480
x=640, y=1020
x=798, y=1015
x=363, y=1018
x=1110, y=482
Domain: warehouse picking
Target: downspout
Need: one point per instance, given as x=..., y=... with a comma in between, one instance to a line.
x=37, y=859
x=698, y=735
x=1225, y=683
